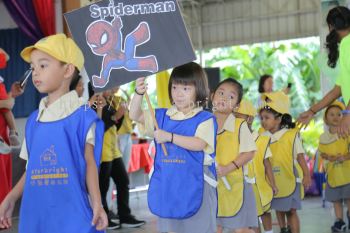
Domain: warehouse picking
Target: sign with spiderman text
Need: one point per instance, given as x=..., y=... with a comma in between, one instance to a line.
x=122, y=40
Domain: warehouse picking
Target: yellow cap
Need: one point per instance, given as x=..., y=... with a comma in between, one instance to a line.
x=58, y=46
x=246, y=108
x=338, y=104
x=278, y=101
x=335, y=103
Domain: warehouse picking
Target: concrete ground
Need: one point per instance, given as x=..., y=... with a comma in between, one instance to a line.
x=313, y=218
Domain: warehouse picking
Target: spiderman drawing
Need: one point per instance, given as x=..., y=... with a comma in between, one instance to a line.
x=105, y=39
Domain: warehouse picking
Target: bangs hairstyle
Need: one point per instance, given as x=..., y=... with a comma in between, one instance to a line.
x=262, y=81
x=191, y=74
x=236, y=84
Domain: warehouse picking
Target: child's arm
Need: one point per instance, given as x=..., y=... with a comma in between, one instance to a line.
x=8, y=204
x=270, y=177
x=189, y=143
x=241, y=160
x=10, y=120
x=100, y=218
x=303, y=165
x=8, y=103
x=135, y=112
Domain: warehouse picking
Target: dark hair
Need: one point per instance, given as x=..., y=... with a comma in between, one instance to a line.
x=191, y=74
x=235, y=83
x=262, y=80
x=339, y=19
x=90, y=90
x=75, y=80
x=286, y=119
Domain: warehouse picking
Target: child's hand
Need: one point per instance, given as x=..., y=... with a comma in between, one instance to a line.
x=141, y=86
x=100, y=219
x=162, y=136
x=6, y=209
x=274, y=190
x=222, y=170
x=307, y=182
x=16, y=90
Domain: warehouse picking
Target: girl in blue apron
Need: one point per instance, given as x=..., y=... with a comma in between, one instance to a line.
x=235, y=148
x=182, y=187
x=288, y=163
x=63, y=143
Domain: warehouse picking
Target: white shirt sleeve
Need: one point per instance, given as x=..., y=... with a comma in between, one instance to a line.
x=90, y=137
x=298, y=147
x=246, y=140
x=24, y=153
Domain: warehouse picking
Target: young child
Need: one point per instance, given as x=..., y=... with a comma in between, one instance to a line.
x=260, y=168
x=12, y=138
x=335, y=152
x=112, y=166
x=235, y=147
x=182, y=188
x=62, y=146
x=288, y=162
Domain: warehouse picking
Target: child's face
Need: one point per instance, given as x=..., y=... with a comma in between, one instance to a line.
x=225, y=98
x=268, y=121
x=184, y=96
x=49, y=74
x=333, y=116
x=268, y=85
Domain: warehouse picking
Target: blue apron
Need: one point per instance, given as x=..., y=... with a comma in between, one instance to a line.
x=55, y=197
x=177, y=184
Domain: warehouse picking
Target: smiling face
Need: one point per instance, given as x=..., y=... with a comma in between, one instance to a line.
x=225, y=98
x=333, y=116
x=49, y=74
x=184, y=96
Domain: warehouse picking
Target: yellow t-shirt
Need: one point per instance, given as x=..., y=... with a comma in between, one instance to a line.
x=126, y=127
x=110, y=149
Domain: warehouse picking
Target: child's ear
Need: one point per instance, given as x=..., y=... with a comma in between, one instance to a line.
x=70, y=69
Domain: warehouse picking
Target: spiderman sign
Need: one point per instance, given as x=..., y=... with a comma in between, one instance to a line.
x=122, y=42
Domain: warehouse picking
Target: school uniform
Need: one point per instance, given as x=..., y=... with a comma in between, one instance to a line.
x=337, y=173
x=182, y=188
x=261, y=187
x=55, y=197
x=285, y=147
x=236, y=207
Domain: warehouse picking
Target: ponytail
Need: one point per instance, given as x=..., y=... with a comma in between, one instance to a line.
x=287, y=122
x=338, y=18
x=332, y=40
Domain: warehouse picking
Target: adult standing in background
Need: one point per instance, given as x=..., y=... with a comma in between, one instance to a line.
x=338, y=46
